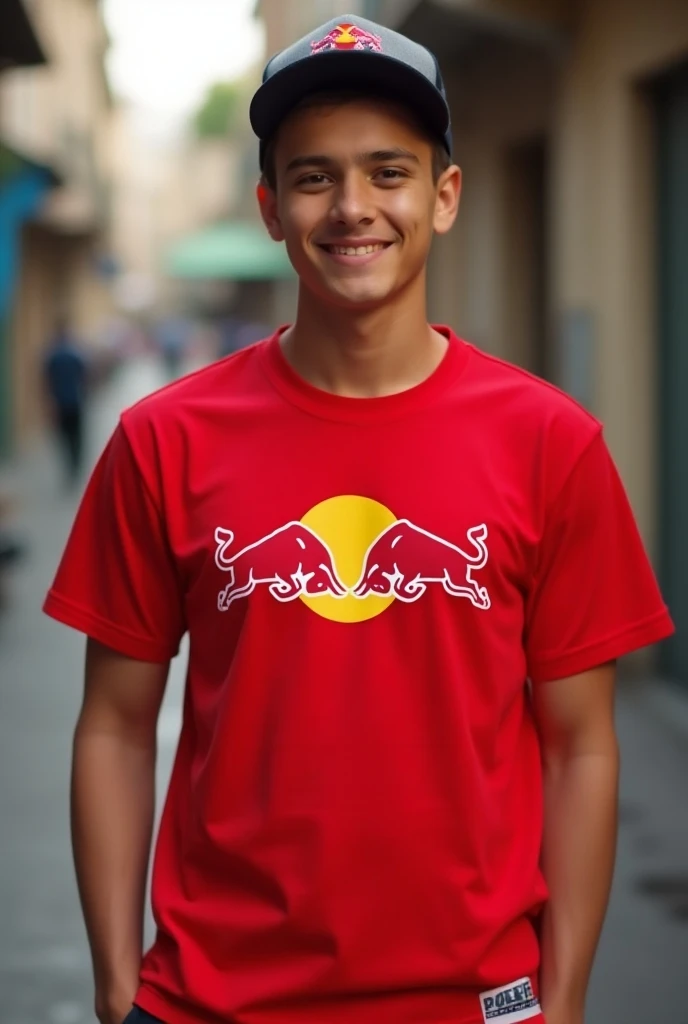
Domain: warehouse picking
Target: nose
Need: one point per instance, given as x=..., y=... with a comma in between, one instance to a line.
x=352, y=201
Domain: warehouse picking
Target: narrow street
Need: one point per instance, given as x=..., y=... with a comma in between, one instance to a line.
x=640, y=976
x=44, y=960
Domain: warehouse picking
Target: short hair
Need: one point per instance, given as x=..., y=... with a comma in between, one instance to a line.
x=441, y=158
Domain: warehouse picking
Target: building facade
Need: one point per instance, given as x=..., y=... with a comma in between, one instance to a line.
x=285, y=23
x=56, y=117
x=23, y=186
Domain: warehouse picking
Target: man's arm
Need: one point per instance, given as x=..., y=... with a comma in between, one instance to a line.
x=575, y=719
x=112, y=807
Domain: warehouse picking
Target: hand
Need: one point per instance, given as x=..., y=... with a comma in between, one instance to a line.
x=114, y=1015
x=115, y=1007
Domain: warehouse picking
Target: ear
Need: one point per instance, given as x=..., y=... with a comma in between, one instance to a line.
x=447, y=199
x=267, y=201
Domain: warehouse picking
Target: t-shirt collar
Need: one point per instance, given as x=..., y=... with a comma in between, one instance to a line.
x=363, y=410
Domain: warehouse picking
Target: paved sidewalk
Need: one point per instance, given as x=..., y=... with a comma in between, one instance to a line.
x=44, y=962
x=640, y=973
x=640, y=976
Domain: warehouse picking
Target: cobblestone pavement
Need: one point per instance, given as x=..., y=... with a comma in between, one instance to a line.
x=640, y=976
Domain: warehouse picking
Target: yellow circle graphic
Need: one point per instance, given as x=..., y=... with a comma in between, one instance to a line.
x=348, y=524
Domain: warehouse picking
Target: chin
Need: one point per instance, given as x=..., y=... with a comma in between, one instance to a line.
x=358, y=295
x=360, y=303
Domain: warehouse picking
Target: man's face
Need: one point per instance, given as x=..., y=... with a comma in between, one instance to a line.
x=356, y=202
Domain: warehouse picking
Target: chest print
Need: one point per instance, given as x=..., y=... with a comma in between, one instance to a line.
x=405, y=558
x=292, y=561
x=350, y=552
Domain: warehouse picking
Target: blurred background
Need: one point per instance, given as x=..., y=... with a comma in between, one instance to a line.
x=131, y=252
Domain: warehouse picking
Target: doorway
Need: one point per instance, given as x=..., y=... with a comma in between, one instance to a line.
x=526, y=284
x=671, y=105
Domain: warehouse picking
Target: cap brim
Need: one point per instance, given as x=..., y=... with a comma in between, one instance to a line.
x=339, y=70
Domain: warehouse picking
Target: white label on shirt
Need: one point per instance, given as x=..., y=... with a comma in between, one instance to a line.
x=510, y=1003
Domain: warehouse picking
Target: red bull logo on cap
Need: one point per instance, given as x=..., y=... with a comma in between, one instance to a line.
x=349, y=558
x=348, y=37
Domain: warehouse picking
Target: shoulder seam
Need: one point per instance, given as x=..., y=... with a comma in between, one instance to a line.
x=537, y=380
x=141, y=476
x=552, y=501
x=154, y=502
x=581, y=455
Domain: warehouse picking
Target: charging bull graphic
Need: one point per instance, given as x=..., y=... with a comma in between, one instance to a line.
x=405, y=558
x=292, y=561
x=347, y=37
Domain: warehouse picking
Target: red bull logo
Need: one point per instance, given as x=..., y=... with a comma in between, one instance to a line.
x=291, y=561
x=348, y=37
x=405, y=558
x=349, y=559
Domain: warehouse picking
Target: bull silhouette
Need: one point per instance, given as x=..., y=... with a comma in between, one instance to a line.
x=292, y=561
x=405, y=558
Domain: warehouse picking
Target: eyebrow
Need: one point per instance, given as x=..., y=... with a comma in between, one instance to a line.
x=378, y=156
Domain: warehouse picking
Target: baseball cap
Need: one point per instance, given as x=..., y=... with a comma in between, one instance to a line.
x=352, y=53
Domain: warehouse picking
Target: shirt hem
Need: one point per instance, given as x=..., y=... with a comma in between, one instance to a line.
x=641, y=634
x=464, y=1011
x=107, y=633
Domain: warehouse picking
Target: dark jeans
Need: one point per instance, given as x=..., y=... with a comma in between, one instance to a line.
x=70, y=428
x=138, y=1016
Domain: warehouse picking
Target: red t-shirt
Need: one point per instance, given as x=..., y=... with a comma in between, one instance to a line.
x=353, y=824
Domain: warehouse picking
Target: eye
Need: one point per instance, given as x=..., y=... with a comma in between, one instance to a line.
x=313, y=180
x=391, y=174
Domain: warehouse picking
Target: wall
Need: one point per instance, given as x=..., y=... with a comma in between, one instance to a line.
x=604, y=208
x=20, y=197
x=499, y=97
x=57, y=115
x=287, y=22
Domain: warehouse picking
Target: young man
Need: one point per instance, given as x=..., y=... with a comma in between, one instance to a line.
x=406, y=569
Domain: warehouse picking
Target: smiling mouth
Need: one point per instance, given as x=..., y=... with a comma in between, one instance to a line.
x=355, y=250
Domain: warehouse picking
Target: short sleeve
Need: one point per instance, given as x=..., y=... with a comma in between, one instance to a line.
x=594, y=596
x=117, y=580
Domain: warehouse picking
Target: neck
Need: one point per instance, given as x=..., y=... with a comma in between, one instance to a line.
x=363, y=353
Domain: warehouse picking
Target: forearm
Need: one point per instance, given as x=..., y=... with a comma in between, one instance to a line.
x=113, y=797
x=578, y=860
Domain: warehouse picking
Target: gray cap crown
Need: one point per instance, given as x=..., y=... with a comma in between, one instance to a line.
x=350, y=52
x=393, y=45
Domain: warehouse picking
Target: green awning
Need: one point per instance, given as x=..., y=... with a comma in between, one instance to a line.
x=232, y=251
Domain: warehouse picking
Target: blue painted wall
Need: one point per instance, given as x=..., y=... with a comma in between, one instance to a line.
x=20, y=198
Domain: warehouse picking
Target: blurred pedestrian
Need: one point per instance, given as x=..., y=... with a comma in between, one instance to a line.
x=12, y=547
x=65, y=372
x=407, y=569
x=171, y=336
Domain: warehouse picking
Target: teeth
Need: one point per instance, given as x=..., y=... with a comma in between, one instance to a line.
x=351, y=250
